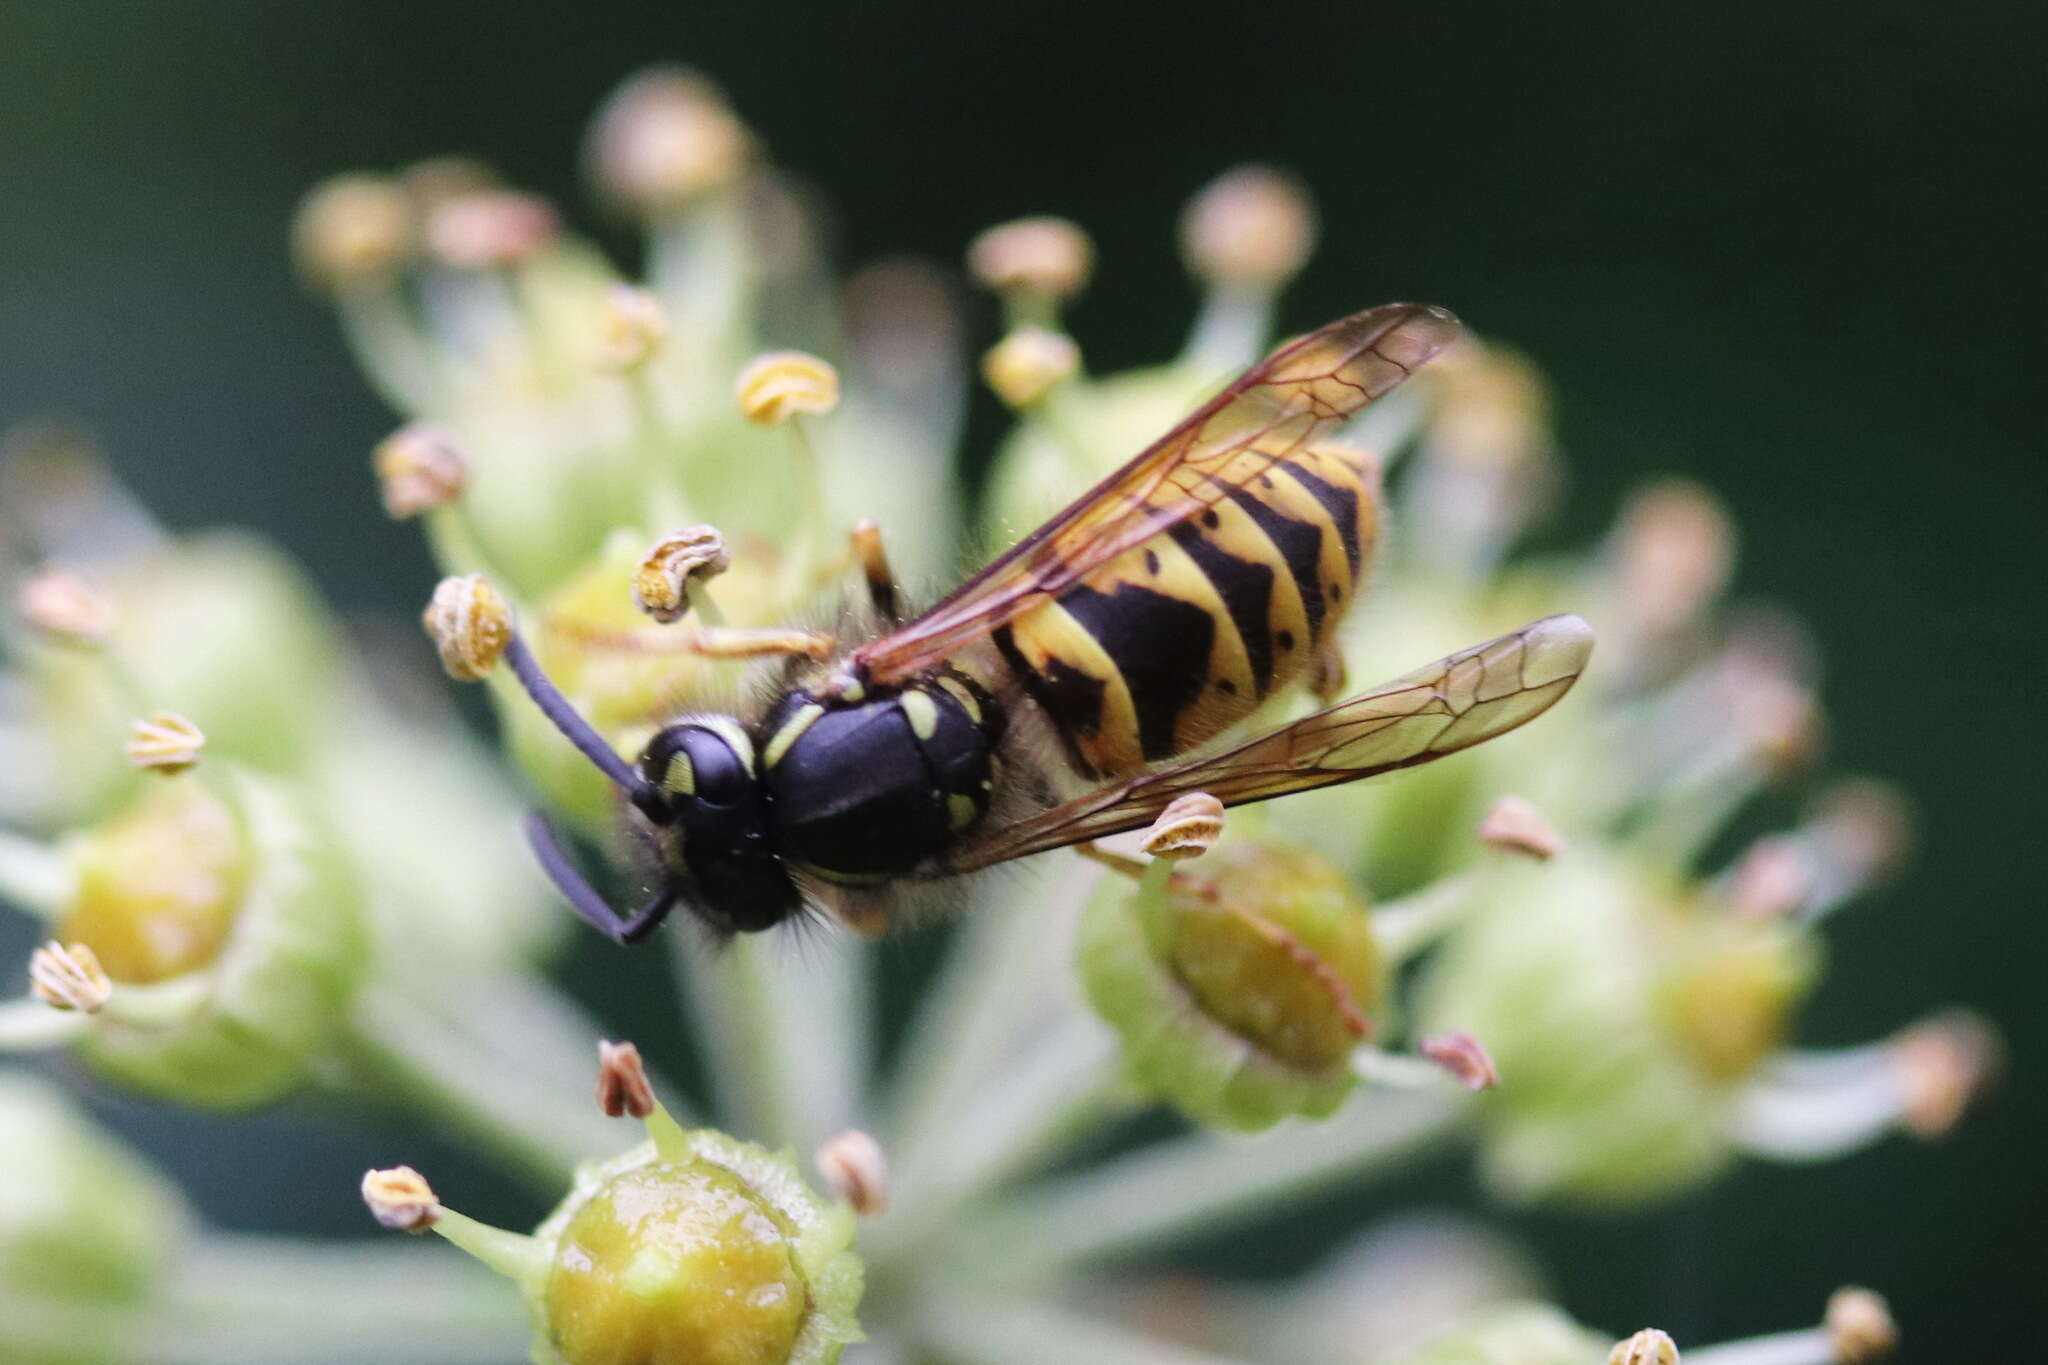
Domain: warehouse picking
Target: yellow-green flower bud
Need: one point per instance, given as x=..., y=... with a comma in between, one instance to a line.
x=86, y=1231
x=227, y=932
x=1241, y=985
x=691, y=1249
x=1624, y=1013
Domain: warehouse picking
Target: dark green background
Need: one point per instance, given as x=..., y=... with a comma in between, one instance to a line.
x=1791, y=253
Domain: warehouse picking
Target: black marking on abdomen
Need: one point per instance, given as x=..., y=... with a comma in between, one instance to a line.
x=1072, y=698
x=1340, y=503
x=1246, y=587
x=1160, y=645
x=1300, y=543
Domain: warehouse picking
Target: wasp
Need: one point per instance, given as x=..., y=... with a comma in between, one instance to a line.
x=1078, y=684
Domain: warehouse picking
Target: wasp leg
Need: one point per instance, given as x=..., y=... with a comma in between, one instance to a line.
x=583, y=898
x=1326, y=673
x=737, y=642
x=873, y=559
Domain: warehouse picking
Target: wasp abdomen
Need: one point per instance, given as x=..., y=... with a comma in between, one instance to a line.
x=870, y=790
x=1177, y=640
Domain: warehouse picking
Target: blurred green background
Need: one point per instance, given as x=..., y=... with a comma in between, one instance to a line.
x=1786, y=250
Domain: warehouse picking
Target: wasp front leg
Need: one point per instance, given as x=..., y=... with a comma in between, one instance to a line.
x=736, y=642
x=873, y=561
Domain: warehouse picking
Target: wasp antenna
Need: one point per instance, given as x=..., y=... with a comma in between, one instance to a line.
x=580, y=732
x=590, y=907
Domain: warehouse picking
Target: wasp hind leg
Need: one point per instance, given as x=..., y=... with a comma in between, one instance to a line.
x=1326, y=673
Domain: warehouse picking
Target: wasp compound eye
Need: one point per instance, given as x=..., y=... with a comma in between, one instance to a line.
x=700, y=762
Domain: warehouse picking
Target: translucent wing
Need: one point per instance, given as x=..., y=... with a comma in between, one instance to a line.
x=1296, y=396
x=1452, y=704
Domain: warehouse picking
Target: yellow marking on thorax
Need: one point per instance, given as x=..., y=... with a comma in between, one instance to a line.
x=792, y=730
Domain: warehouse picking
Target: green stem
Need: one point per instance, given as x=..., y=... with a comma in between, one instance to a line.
x=1407, y=926
x=1200, y=1183
x=35, y=877
x=452, y=541
x=238, y=1299
x=785, y=1033
x=29, y=1025
x=1016, y=1332
x=1231, y=330
x=1809, y=1346
x=1007, y=974
x=485, y=1090
x=401, y=361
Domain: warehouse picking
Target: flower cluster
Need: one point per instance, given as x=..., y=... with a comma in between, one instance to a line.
x=264, y=863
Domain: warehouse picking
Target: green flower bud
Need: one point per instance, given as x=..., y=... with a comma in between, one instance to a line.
x=1623, y=1013
x=691, y=1249
x=230, y=935
x=220, y=626
x=86, y=1230
x=1240, y=988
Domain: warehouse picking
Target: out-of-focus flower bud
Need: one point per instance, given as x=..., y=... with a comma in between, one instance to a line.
x=1049, y=257
x=777, y=386
x=631, y=330
x=470, y=625
x=418, y=467
x=1626, y=1012
x=491, y=229
x=63, y=606
x=164, y=742
x=353, y=228
x=87, y=1231
x=1240, y=985
x=1029, y=363
x=1253, y=226
x=691, y=1249
x=661, y=585
x=665, y=138
x=231, y=939
x=438, y=179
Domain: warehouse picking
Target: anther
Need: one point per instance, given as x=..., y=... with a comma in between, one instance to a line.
x=630, y=330
x=491, y=229
x=63, y=606
x=1187, y=828
x=1647, y=1347
x=401, y=1199
x=1517, y=826
x=777, y=386
x=164, y=742
x=1028, y=364
x=470, y=625
x=1860, y=1327
x=1252, y=225
x=662, y=583
x=1464, y=1057
x=1048, y=256
x=856, y=1168
x=1943, y=1064
x=69, y=977
x=352, y=228
x=622, y=1085
x=664, y=139
x=419, y=467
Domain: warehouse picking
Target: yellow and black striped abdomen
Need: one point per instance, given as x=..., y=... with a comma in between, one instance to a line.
x=1175, y=641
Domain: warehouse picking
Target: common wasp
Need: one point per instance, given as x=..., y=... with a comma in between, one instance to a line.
x=1078, y=684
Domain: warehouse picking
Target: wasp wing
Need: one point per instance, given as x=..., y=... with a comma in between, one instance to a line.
x=1450, y=705
x=1301, y=393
